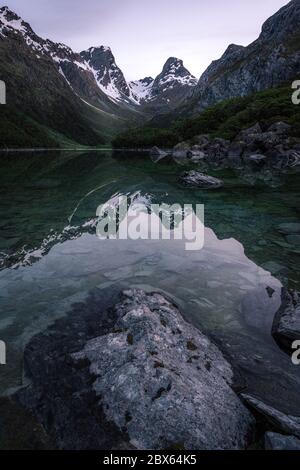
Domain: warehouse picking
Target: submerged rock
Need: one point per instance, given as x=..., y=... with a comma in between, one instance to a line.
x=200, y=180
x=289, y=228
x=146, y=380
x=282, y=422
x=275, y=441
x=286, y=325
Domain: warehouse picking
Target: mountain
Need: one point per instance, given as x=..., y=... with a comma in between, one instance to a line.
x=82, y=97
x=271, y=60
x=52, y=90
x=168, y=90
x=109, y=77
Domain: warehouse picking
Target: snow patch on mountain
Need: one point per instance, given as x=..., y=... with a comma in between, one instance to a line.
x=10, y=21
x=141, y=89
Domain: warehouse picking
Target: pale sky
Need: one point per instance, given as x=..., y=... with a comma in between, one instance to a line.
x=144, y=33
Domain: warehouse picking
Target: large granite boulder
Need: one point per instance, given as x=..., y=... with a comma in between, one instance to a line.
x=133, y=376
x=286, y=325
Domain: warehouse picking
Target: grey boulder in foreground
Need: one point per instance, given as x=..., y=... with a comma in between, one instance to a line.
x=145, y=379
x=200, y=180
x=275, y=441
x=164, y=381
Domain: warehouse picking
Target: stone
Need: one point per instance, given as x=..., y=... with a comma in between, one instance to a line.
x=132, y=376
x=196, y=155
x=281, y=128
x=273, y=267
x=276, y=441
x=293, y=239
x=286, y=325
x=253, y=130
x=181, y=150
x=284, y=423
x=200, y=180
x=289, y=228
x=236, y=149
x=217, y=149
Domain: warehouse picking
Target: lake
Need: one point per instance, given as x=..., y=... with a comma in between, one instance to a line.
x=51, y=258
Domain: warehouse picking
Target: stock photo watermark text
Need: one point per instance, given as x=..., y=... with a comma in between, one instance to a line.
x=296, y=94
x=125, y=220
x=2, y=92
x=2, y=353
x=296, y=353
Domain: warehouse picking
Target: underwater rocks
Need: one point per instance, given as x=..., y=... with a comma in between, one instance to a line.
x=289, y=228
x=200, y=180
x=133, y=376
x=286, y=325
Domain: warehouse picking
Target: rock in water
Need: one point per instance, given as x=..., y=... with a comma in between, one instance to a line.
x=284, y=423
x=200, y=180
x=275, y=441
x=149, y=380
x=286, y=325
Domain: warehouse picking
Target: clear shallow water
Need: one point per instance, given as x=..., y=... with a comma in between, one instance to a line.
x=51, y=257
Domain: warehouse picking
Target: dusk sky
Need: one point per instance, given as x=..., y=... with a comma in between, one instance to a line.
x=144, y=33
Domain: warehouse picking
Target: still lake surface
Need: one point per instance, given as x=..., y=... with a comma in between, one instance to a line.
x=51, y=258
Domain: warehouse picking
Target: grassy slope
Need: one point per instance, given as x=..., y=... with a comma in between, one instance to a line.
x=224, y=119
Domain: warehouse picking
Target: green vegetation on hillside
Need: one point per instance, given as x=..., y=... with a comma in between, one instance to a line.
x=19, y=131
x=225, y=119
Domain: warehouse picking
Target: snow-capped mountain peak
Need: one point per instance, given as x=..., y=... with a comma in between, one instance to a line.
x=96, y=69
x=108, y=75
x=174, y=71
x=10, y=21
x=171, y=85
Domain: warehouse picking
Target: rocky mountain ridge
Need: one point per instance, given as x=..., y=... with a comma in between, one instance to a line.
x=271, y=60
x=94, y=75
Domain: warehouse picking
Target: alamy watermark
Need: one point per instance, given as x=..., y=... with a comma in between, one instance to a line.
x=2, y=353
x=296, y=94
x=2, y=92
x=296, y=354
x=123, y=219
